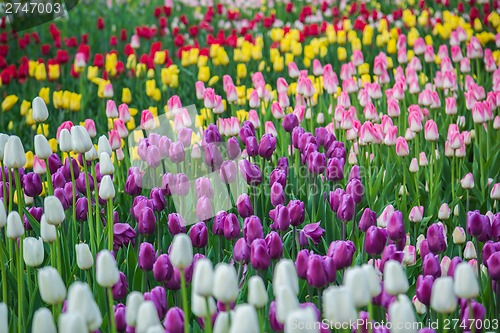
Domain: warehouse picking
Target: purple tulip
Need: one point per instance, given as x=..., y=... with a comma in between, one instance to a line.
x=276, y=326
x=297, y=133
x=164, y=146
x=342, y=253
x=278, y=176
x=124, y=235
x=334, y=198
x=174, y=320
x=228, y=172
x=82, y=209
x=158, y=295
x=177, y=152
x=231, y=226
x=316, y=162
x=211, y=134
x=277, y=194
x=390, y=253
x=345, y=212
x=336, y=150
x=495, y=227
x=396, y=226
x=212, y=156
x=424, y=248
x=147, y=222
x=147, y=256
x=54, y=163
x=302, y=263
x=274, y=245
x=478, y=225
x=32, y=184
x=204, y=209
x=157, y=199
x=244, y=205
x=453, y=264
x=61, y=195
x=138, y=205
x=252, y=146
x=259, y=255
x=174, y=283
x=121, y=324
x=133, y=184
x=436, y=238
x=199, y=235
x=36, y=213
x=296, y=209
x=5, y=185
x=120, y=289
x=316, y=274
x=58, y=180
x=311, y=231
x=493, y=264
x=67, y=171
x=368, y=219
x=267, y=146
x=335, y=169
x=252, y=229
x=356, y=190
x=431, y=266
x=424, y=288
x=233, y=148
x=355, y=173
x=185, y=134
x=246, y=131
x=250, y=172
x=281, y=218
x=283, y=164
x=375, y=239
x=218, y=223
x=176, y=224
x=162, y=268
x=241, y=251
x=476, y=322
x=290, y=122
x=204, y=187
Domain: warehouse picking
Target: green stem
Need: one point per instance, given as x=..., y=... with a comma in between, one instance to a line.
x=208, y=319
x=89, y=205
x=111, y=314
x=98, y=222
x=4, y=278
x=185, y=305
x=20, y=284
x=49, y=179
x=109, y=224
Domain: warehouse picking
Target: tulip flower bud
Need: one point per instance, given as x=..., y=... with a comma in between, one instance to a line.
x=107, y=189
x=181, y=252
x=202, y=306
x=225, y=288
x=3, y=141
x=105, y=165
x=47, y=231
x=43, y=322
x=4, y=320
x=286, y=302
x=338, y=306
x=71, y=322
x=286, y=274
x=42, y=147
x=15, y=227
x=134, y=301
x=355, y=280
x=203, y=277
x=402, y=316
x=466, y=283
x=54, y=211
x=395, y=280
x=147, y=256
x=52, y=288
x=81, y=301
x=80, y=140
x=3, y=215
x=222, y=323
x=372, y=280
x=257, y=293
x=174, y=320
x=470, y=251
x=40, y=111
x=416, y=214
x=162, y=268
x=64, y=141
x=459, y=235
x=443, y=299
x=84, y=258
x=244, y=316
x=436, y=238
x=444, y=212
x=14, y=156
x=467, y=182
x=33, y=251
x=147, y=317
x=302, y=317
x=107, y=273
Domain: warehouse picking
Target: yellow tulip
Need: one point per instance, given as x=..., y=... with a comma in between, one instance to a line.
x=150, y=73
x=110, y=62
x=296, y=49
x=193, y=55
x=307, y=62
x=174, y=82
x=202, y=61
x=75, y=101
x=157, y=95
x=10, y=126
x=213, y=80
x=57, y=99
x=66, y=97
x=341, y=53
x=40, y=72
x=131, y=124
x=54, y=72
x=185, y=60
x=25, y=106
x=222, y=57
x=288, y=58
x=364, y=69
x=52, y=143
x=241, y=71
x=277, y=34
x=150, y=87
x=478, y=26
x=140, y=69
x=44, y=94
x=9, y=102
x=279, y=64
x=126, y=96
x=365, y=78
x=256, y=53
x=428, y=40
x=29, y=118
x=29, y=160
x=133, y=111
x=159, y=58
x=242, y=115
x=331, y=34
x=341, y=37
x=92, y=72
x=392, y=46
x=153, y=110
x=131, y=61
x=356, y=44
x=204, y=73
x=32, y=65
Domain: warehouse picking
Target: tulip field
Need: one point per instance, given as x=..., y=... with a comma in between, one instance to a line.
x=234, y=166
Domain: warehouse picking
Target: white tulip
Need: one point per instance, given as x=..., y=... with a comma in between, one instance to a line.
x=244, y=320
x=15, y=227
x=48, y=232
x=3, y=140
x=443, y=299
x=70, y=322
x=466, y=283
x=225, y=287
x=84, y=258
x=80, y=140
x=147, y=317
x=156, y=329
x=80, y=300
x=257, y=293
x=103, y=146
x=355, y=279
x=338, y=306
x=65, y=141
x=3, y=215
x=134, y=301
x=372, y=279
x=203, y=277
x=14, y=157
x=52, y=288
x=470, y=251
x=222, y=323
x=42, y=147
x=33, y=252
x=395, y=280
x=4, y=320
x=285, y=273
x=181, y=253
x=402, y=316
x=91, y=155
x=202, y=306
x=105, y=165
x=54, y=211
x=286, y=302
x=40, y=111
x=107, y=274
x=107, y=188
x=302, y=320
x=43, y=322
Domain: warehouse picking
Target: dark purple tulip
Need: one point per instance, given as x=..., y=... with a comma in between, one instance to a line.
x=158, y=295
x=476, y=322
x=82, y=209
x=218, y=223
x=124, y=235
x=54, y=163
x=355, y=173
x=488, y=249
x=231, y=226
x=174, y=320
x=241, y=251
x=493, y=264
x=375, y=239
x=276, y=326
x=316, y=274
x=267, y=146
x=174, y=283
x=390, y=253
x=228, y=172
x=67, y=171
x=281, y=218
x=252, y=146
x=98, y=174
x=283, y=164
x=302, y=263
x=308, y=150
x=199, y=235
x=120, y=288
x=157, y=199
x=177, y=152
x=290, y=122
x=250, y=172
x=436, y=238
x=341, y=252
x=305, y=139
x=477, y=224
x=316, y=162
x=334, y=198
x=121, y=324
x=162, y=268
x=36, y=213
x=211, y=134
x=176, y=224
x=336, y=149
x=311, y=231
x=296, y=209
x=133, y=184
x=345, y=212
x=212, y=156
x=58, y=180
x=424, y=248
x=147, y=222
x=321, y=133
x=259, y=255
x=233, y=148
x=252, y=229
x=424, y=288
x=431, y=266
x=274, y=245
x=80, y=183
x=32, y=184
x=495, y=227
x=277, y=176
x=138, y=205
x=453, y=265
x=68, y=191
x=396, y=226
x=297, y=132
x=147, y=256
x=244, y=205
x=356, y=190
x=61, y=195
x=277, y=194
x=368, y=219
x=246, y=131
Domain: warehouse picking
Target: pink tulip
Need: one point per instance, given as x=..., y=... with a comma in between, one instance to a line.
x=111, y=109
x=124, y=113
x=90, y=127
x=209, y=98
x=293, y=70
x=402, y=147
x=121, y=128
x=277, y=111
x=199, y=89
x=431, y=132
x=147, y=120
x=174, y=104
